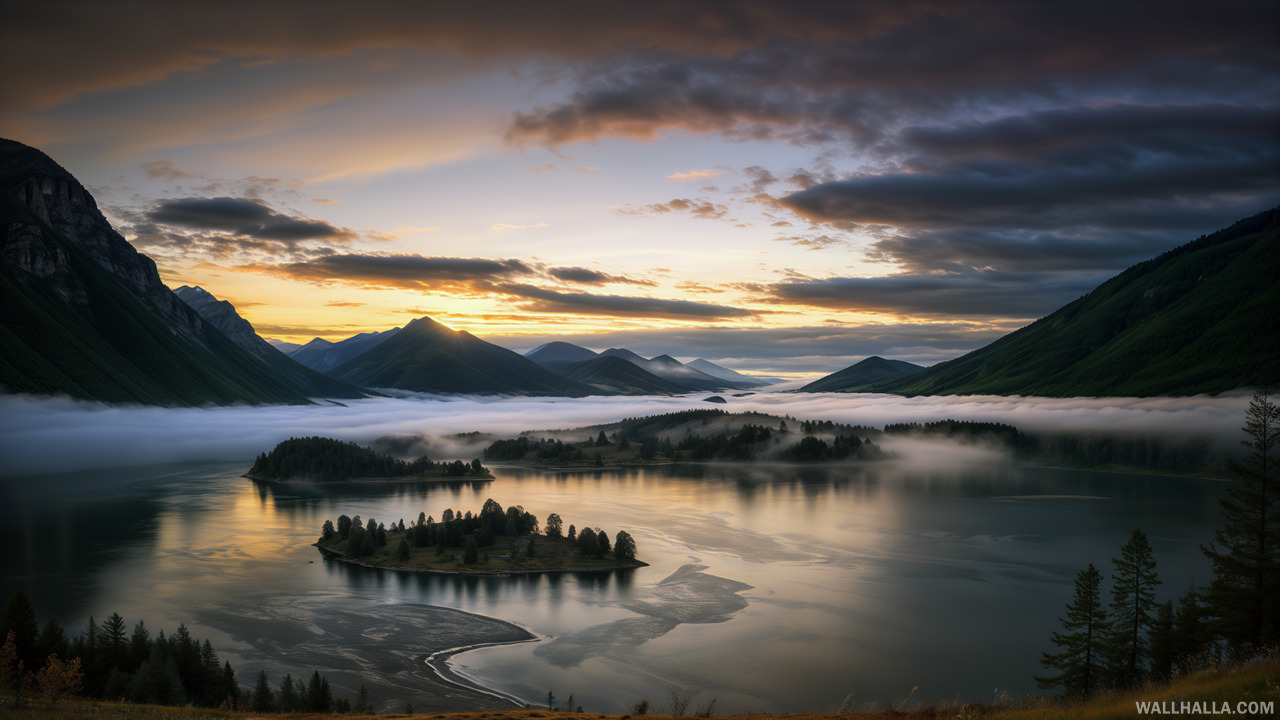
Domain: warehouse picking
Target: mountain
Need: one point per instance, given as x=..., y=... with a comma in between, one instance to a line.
x=323, y=356
x=872, y=369
x=222, y=315
x=724, y=373
x=1200, y=318
x=426, y=356
x=615, y=375
x=282, y=346
x=83, y=313
x=558, y=353
x=625, y=354
x=668, y=368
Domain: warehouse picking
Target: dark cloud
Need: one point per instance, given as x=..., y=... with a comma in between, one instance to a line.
x=760, y=179
x=244, y=216
x=412, y=272
x=538, y=299
x=587, y=276
x=964, y=250
x=929, y=60
x=984, y=293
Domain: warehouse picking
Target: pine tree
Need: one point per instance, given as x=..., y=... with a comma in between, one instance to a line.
x=1245, y=591
x=1133, y=601
x=263, y=698
x=1084, y=628
x=288, y=695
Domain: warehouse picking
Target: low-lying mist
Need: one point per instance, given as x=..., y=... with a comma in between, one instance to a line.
x=43, y=435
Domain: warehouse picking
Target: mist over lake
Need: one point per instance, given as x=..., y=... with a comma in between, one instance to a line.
x=770, y=587
x=51, y=435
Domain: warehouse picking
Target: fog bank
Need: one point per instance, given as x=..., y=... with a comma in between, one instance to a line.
x=42, y=435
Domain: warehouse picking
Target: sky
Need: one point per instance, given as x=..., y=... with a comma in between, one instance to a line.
x=782, y=188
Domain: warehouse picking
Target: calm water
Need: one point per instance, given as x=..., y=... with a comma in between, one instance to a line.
x=770, y=588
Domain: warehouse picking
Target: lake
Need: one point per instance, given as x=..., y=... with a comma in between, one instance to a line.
x=770, y=588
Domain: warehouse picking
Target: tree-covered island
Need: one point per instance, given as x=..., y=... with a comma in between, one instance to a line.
x=494, y=540
x=700, y=435
x=319, y=459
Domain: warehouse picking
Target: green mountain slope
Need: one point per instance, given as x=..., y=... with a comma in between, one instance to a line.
x=1201, y=318
x=426, y=356
x=872, y=369
x=82, y=313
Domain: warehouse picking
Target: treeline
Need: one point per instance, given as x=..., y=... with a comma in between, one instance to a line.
x=326, y=459
x=1136, y=639
x=842, y=447
x=749, y=442
x=474, y=532
x=109, y=661
x=966, y=431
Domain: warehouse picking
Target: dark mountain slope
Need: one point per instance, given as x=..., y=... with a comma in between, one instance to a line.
x=323, y=356
x=1200, y=318
x=558, y=353
x=426, y=356
x=616, y=375
x=83, y=313
x=872, y=369
x=222, y=315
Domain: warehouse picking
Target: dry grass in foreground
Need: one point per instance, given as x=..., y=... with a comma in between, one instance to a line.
x=1258, y=682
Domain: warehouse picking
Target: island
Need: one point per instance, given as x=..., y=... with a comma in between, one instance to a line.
x=321, y=459
x=493, y=541
x=700, y=435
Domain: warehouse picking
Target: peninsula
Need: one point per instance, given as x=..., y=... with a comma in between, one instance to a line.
x=319, y=459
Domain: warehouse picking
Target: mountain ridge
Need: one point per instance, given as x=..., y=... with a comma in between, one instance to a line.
x=1199, y=318
x=84, y=314
x=426, y=356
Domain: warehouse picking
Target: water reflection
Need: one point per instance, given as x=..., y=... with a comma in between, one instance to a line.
x=771, y=587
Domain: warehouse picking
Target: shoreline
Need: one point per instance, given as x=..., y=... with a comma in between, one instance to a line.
x=405, y=480
x=438, y=662
x=342, y=557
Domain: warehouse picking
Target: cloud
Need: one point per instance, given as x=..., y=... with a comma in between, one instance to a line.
x=694, y=175
x=249, y=217
x=35, y=433
x=165, y=170
x=411, y=272
x=812, y=242
x=702, y=209
x=536, y=299
x=985, y=293
x=586, y=276
x=326, y=201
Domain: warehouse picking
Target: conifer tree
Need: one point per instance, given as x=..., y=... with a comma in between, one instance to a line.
x=263, y=698
x=288, y=695
x=1245, y=591
x=1084, y=629
x=1133, y=607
